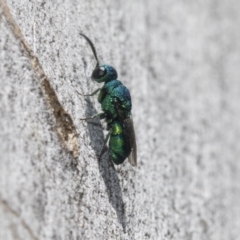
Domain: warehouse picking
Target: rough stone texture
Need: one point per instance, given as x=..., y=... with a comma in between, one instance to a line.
x=180, y=60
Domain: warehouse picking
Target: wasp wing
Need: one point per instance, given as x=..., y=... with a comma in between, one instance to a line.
x=129, y=133
x=132, y=141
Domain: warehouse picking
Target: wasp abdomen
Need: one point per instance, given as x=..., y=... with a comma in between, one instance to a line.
x=119, y=148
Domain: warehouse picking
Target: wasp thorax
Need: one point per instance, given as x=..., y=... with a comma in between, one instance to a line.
x=104, y=73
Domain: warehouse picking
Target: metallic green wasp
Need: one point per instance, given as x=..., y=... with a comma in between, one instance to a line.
x=116, y=106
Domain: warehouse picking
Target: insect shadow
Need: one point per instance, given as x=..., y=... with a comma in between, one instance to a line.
x=106, y=168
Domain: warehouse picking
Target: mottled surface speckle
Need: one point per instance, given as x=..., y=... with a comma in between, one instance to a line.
x=180, y=60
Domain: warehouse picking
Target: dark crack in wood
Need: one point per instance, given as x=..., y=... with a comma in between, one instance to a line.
x=64, y=123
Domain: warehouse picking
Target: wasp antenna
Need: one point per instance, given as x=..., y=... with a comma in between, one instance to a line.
x=92, y=47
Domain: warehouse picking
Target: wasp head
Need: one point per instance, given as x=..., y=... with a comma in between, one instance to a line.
x=104, y=73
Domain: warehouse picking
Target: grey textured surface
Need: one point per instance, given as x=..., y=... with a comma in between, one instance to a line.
x=181, y=62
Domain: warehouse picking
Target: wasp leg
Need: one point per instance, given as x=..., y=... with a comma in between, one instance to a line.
x=101, y=115
x=104, y=149
x=91, y=94
x=104, y=145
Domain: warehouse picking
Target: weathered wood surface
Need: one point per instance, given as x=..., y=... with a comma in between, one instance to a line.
x=180, y=60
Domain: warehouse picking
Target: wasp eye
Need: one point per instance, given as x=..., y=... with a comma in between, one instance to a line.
x=99, y=72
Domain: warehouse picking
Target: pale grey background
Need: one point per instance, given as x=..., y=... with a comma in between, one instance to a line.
x=181, y=62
